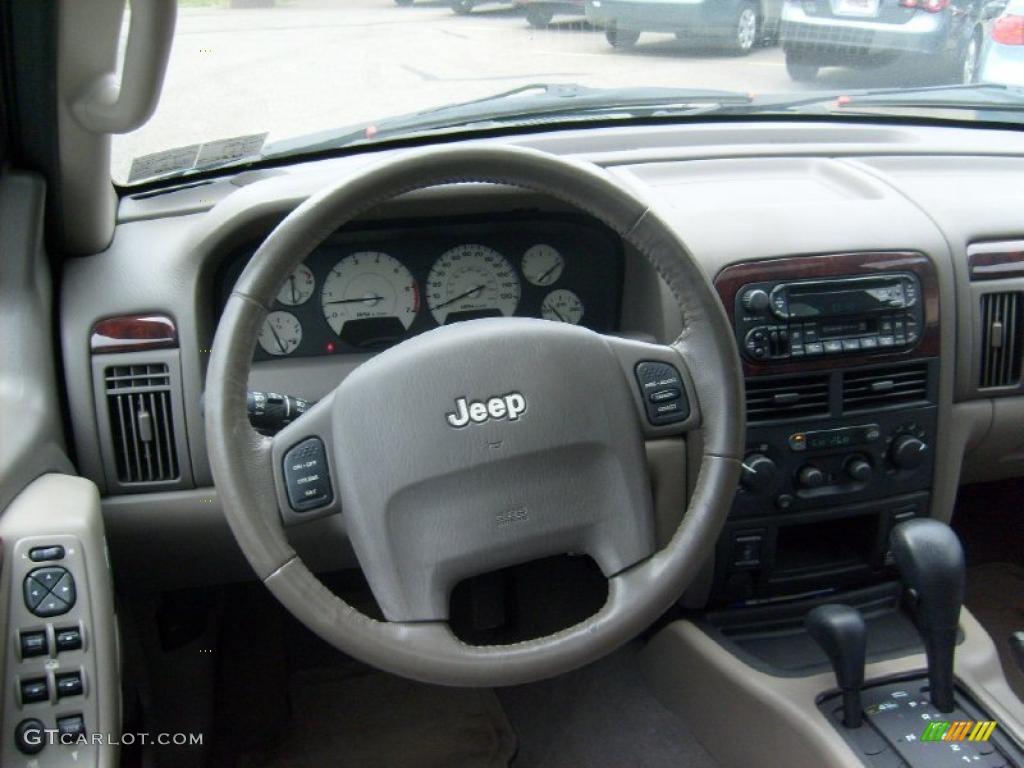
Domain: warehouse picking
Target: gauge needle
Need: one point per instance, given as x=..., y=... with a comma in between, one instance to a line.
x=460, y=296
x=355, y=301
x=557, y=313
x=291, y=279
x=277, y=338
x=540, y=280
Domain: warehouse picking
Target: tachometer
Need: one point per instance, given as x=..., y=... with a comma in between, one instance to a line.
x=542, y=264
x=297, y=288
x=563, y=306
x=472, y=281
x=369, y=285
x=281, y=333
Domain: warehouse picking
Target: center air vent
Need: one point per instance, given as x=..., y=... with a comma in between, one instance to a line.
x=1002, y=338
x=793, y=397
x=879, y=387
x=141, y=422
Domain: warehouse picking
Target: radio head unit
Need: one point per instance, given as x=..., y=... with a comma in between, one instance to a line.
x=843, y=315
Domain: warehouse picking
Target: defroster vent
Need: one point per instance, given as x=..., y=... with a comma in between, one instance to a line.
x=793, y=397
x=142, y=422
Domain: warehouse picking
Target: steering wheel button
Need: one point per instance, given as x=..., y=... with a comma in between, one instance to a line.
x=306, y=475
x=664, y=395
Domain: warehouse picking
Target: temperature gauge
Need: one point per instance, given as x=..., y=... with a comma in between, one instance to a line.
x=297, y=288
x=542, y=265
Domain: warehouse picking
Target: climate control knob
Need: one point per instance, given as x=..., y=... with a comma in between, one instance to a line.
x=810, y=476
x=907, y=451
x=760, y=473
x=756, y=300
x=859, y=469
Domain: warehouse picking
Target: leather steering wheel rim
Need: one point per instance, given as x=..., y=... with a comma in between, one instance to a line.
x=428, y=651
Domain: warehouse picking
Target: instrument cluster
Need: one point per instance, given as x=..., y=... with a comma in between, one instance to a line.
x=369, y=288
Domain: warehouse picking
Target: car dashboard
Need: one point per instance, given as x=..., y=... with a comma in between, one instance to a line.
x=861, y=410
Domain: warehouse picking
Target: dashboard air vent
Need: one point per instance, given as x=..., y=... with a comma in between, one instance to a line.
x=1002, y=338
x=141, y=422
x=880, y=387
x=793, y=397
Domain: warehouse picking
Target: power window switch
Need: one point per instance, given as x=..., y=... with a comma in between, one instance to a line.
x=68, y=639
x=69, y=684
x=71, y=726
x=33, y=643
x=34, y=690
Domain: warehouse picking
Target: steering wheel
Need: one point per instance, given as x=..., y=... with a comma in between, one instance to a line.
x=480, y=444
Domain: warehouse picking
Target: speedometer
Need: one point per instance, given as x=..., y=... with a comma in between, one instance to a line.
x=472, y=281
x=366, y=286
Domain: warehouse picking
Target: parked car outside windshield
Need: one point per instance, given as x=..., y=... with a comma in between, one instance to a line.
x=249, y=81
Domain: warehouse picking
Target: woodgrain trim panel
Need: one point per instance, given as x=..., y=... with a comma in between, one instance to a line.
x=131, y=333
x=732, y=278
x=995, y=261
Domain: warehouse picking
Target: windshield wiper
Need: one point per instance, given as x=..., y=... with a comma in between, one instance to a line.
x=524, y=105
x=976, y=97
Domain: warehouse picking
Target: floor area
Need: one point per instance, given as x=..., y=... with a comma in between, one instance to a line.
x=989, y=519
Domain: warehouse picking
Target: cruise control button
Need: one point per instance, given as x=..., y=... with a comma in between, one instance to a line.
x=664, y=395
x=306, y=475
x=661, y=388
x=33, y=643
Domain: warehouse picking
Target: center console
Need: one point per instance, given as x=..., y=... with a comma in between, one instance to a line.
x=840, y=355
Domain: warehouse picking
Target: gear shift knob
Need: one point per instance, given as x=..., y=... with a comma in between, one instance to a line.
x=930, y=560
x=840, y=632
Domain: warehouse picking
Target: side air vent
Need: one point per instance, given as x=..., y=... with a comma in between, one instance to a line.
x=1002, y=337
x=880, y=387
x=142, y=423
x=794, y=397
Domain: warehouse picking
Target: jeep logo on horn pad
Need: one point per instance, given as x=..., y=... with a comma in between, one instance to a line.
x=509, y=406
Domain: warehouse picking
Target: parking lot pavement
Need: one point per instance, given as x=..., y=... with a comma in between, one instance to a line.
x=313, y=65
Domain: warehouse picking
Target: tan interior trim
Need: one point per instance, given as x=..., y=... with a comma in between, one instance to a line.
x=759, y=719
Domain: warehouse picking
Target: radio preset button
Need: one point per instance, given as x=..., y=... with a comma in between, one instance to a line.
x=833, y=347
x=814, y=349
x=886, y=341
x=850, y=345
x=871, y=342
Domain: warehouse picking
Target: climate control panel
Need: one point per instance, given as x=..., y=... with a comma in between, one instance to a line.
x=790, y=468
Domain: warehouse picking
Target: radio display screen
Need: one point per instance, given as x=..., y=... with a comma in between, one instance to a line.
x=819, y=303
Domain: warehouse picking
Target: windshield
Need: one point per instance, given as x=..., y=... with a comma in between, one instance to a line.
x=251, y=79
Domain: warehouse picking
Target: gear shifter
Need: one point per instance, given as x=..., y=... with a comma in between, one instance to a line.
x=840, y=632
x=931, y=563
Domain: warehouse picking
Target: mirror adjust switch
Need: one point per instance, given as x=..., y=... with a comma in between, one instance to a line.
x=306, y=475
x=663, y=394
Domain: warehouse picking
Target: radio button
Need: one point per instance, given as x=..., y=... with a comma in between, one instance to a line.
x=813, y=349
x=810, y=333
x=869, y=343
x=796, y=350
x=850, y=345
x=833, y=347
x=885, y=325
x=886, y=341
